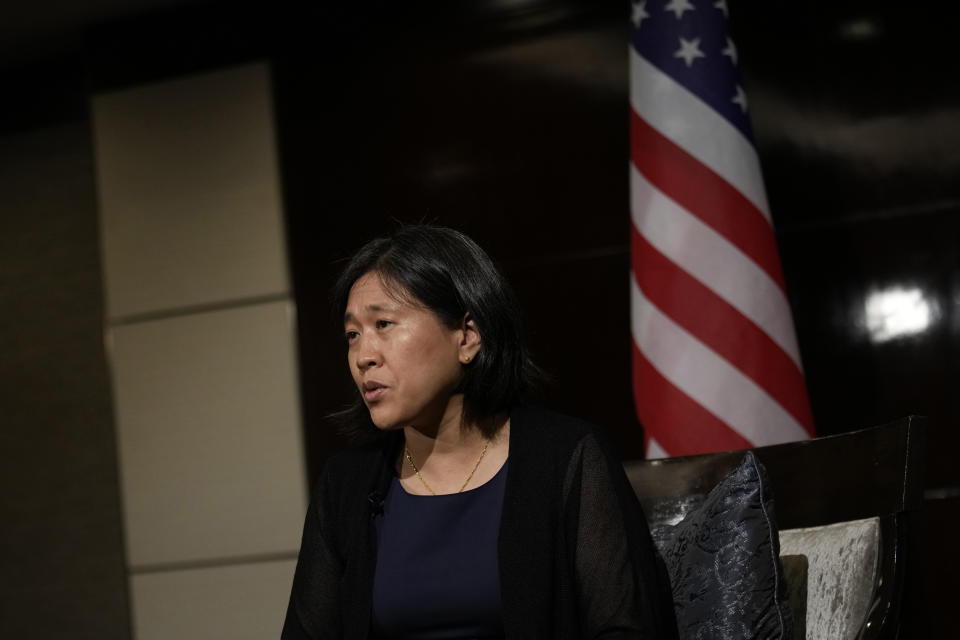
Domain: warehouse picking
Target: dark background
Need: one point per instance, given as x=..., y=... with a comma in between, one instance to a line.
x=509, y=121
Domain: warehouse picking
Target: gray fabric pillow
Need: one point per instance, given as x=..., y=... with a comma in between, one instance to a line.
x=843, y=570
x=795, y=571
x=724, y=565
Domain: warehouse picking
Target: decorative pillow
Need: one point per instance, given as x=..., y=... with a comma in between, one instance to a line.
x=723, y=559
x=843, y=569
x=795, y=569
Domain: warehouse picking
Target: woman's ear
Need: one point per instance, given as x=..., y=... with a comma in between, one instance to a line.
x=469, y=340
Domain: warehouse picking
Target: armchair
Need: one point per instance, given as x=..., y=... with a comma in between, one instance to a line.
x=831, y=493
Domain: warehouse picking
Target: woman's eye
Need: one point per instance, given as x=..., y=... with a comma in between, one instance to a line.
x=382, y=324
x=351, y=336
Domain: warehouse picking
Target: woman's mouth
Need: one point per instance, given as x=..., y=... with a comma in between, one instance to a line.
x=372, y=391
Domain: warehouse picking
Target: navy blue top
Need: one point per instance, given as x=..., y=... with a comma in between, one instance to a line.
x=437, y=573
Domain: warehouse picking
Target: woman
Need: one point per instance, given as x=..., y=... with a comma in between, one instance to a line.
x=470, y=515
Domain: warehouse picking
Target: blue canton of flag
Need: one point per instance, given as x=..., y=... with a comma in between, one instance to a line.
x=688, y=40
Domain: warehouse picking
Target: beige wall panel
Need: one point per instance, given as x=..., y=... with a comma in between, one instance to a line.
x=189, y=192
x=208, y=431
x=222, y=603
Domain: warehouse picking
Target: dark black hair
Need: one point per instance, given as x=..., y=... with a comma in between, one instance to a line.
x=449, y=274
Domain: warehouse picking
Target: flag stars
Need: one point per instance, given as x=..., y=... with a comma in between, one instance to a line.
x=689, y=51
x=722, y=6
x=678, y=7
x=741, y=99
x=639, y=13
x=730, y=50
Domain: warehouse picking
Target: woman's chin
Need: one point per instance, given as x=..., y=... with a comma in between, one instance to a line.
x=384, y=422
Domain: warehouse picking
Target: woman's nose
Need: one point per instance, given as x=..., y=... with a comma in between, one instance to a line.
x=366, y=362
x=367, y=357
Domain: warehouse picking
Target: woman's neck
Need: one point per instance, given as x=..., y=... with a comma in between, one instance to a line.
x=446, y=454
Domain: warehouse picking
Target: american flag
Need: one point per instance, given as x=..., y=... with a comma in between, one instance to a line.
x=715, y=358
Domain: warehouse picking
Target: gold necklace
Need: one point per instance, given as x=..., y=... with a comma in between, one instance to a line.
x=406, y=453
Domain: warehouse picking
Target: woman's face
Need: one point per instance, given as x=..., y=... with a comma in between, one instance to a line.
x=404, y=360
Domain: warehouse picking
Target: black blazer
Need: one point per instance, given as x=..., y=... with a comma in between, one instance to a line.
x=576, y=559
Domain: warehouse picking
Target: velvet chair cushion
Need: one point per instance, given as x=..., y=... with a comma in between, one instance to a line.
x=723, y=562
x=842, y=573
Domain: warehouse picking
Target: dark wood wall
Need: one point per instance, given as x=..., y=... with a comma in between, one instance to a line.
x=519, y=141
x=512, y=126
x=62, y=570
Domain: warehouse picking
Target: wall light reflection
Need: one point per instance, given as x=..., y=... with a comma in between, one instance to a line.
x=898, y=312
x=860, y=29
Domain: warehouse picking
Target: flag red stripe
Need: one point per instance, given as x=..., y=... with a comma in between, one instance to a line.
x=717, y=324
x=674, y=419
x=705, y=194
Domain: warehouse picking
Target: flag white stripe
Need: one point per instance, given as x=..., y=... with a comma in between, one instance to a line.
x=654, y=450
x=706, y=377
x=693, y=125
x=713, y=260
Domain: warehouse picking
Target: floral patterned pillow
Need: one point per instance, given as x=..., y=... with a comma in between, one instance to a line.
x=723, y=559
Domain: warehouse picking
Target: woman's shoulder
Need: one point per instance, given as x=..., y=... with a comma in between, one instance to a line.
x=354, y=467
x=350, y=461
x=556, y=451
x=549, y=429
